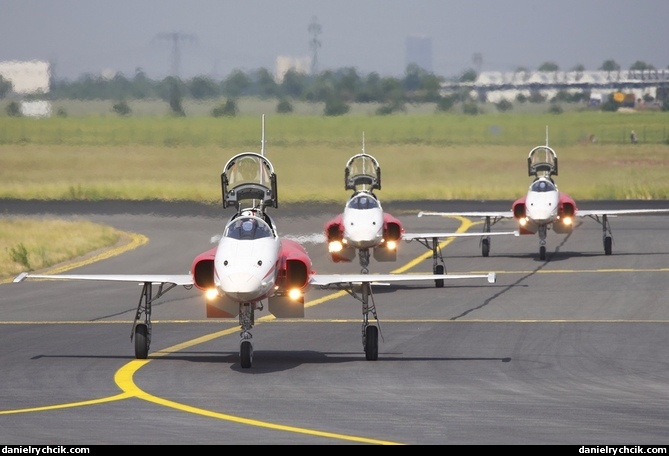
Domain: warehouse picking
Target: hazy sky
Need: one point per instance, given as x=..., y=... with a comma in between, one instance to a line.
x=215, y=37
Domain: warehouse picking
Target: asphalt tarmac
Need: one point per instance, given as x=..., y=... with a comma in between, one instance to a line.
x=569, y=351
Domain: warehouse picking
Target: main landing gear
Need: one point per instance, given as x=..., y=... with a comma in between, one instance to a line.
x=141, y=331
x=370, y=332
x=438, y=263
x=606, y=233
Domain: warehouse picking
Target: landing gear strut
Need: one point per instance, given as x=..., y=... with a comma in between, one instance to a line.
x=438, y=263
x=246, y=321
x=370, y=332
x=363, y=254
x=485, y=241
x=608, y=237
x=141, y=331
x=542, y=242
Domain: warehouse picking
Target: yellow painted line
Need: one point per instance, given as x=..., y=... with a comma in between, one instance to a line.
x=102, y=400
x=124, y=380
x=465, y=226
x=136, y=240
x=124, y=376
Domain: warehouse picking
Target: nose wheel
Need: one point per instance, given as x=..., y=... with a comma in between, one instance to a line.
x=542, y=242
x=246, y=353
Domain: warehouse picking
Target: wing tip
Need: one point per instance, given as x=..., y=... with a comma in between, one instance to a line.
x=492, y=277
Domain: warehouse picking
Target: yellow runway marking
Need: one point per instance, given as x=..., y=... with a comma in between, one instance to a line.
x=124, y=376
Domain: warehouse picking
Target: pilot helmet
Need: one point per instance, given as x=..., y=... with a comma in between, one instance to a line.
x=247, y=225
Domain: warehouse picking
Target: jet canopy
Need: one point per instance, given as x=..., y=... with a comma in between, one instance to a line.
x=542, y=162
x=363, y=200
x=248, y=227
x=362, y=173
x=543, y=185
x=246, y=177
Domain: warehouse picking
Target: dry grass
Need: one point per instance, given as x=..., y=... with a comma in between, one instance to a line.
x=28, y=244
x=421, y=157
x=56, y=172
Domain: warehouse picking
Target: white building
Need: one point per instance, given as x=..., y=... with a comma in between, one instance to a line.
x=286, y=63
x=496, y=85
x=27, y=77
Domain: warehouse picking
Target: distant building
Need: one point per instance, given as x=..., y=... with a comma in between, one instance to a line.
x=286, y=63
x=494, y=86
x=419, y=52
x=27, y=77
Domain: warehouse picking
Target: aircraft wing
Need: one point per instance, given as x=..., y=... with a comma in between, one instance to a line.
x=614, y=212
x=177, y=279
x=498, y=214
x=323, y=280
x=417, y=236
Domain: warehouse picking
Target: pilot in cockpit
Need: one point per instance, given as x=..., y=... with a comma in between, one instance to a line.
x=542, y=186
x=362, y=202
x=248, y=227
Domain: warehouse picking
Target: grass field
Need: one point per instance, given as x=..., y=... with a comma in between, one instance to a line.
x=422, y=156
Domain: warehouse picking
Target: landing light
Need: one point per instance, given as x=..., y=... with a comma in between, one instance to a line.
x=567, y=221
x=522, y=221
x=294, y=294
x=211, y=294
x=392, y=245
x=335, y=246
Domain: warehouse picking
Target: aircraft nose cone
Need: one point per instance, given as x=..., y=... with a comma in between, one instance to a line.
x=364, y=235
x=541, y=214
x=241, y=286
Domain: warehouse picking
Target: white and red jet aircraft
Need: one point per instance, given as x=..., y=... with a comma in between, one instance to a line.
x=545, y=207
x=251, y=265
x=365, y=229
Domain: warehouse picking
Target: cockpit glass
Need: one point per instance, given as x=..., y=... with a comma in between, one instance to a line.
x=248, y=228
x=249, y=170
x=363, y=202
x=543, y=186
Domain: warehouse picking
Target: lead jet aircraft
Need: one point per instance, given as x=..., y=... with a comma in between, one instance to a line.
x=252, y=265
x=366, y=229
x=544, y=207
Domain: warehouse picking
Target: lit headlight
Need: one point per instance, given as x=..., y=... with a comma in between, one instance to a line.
x=210, y=294
x=335, y=246
x=294, y=294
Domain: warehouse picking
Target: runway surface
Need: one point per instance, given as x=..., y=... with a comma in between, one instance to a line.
x=572, y=350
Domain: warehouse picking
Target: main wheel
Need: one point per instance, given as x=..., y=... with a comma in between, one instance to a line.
x=141, y=341
x=439, y=283
x=607, y=245
x=372, y=343
x=485, y=247
x=542, y=253
x=246, y=354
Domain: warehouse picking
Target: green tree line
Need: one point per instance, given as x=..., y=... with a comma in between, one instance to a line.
x=336, y=89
